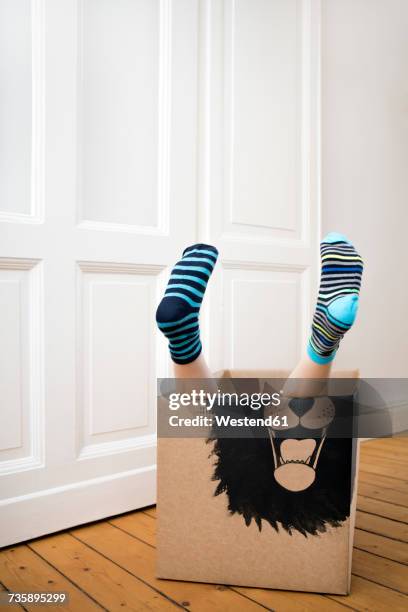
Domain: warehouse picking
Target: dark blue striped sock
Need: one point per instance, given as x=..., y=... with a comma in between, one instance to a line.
x=178, y=312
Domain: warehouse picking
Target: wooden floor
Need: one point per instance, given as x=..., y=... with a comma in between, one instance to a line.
x=110, y=564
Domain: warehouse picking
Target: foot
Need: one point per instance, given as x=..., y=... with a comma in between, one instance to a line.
x=178, y=312
x=337, y=302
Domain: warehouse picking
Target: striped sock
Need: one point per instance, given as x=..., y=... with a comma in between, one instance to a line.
x=177, y=314
x=337, y=302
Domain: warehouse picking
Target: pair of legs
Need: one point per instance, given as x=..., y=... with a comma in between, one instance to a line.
x=306, y=368
x=178, y=313
x=306, y=379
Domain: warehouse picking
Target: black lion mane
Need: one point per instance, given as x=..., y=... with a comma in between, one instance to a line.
x=244, y=471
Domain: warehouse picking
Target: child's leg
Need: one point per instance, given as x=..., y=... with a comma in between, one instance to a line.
x=306, y=368
x=307, y=379
x=196, y=369
x=178, y=313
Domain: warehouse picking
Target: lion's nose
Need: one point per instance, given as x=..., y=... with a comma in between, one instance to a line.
x=301, y=405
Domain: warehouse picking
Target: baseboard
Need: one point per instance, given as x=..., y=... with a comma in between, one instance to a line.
x=36, y=514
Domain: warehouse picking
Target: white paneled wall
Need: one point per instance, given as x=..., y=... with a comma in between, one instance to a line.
x=133, y=128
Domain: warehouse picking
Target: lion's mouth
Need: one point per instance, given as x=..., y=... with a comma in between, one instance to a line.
x=294, y=476
x=297, y=451
x=295, y=462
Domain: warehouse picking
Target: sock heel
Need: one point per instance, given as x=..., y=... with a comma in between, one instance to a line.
x=170, y=312
x=344, y=309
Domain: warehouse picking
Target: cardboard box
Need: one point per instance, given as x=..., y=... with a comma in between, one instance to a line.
x=199, y=539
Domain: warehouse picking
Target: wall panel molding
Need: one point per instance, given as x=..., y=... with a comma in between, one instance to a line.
x=37, y=165
x=117, y=268
x=115, y=433
x=223, y=336
x=30, y=454
x=276, y=298
x=163, y=145
x=255, y=265
x=101, y=449
x=296, y=230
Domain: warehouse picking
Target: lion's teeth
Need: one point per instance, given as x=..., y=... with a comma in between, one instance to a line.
x=297, y=450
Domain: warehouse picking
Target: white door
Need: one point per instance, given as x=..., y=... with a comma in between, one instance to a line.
x=97, y=190
x=259, y=177
x=130, y=129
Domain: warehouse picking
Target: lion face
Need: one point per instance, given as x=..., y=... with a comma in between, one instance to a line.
x=302, y=482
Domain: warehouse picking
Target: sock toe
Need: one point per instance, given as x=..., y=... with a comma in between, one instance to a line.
x=201, y=247
x=332, y=237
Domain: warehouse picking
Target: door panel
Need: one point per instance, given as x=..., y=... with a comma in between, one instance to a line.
x=259, y=328
x=120, y=74
x=116, y=362
x=16, y=103
x=262, y=117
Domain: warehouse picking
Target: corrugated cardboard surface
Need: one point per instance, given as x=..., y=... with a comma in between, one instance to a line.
x=199, y=540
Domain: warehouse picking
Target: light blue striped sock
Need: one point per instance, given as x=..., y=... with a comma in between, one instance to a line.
x=337, y=302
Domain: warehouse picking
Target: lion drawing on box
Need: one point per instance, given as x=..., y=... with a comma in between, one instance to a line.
x=301, y=483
